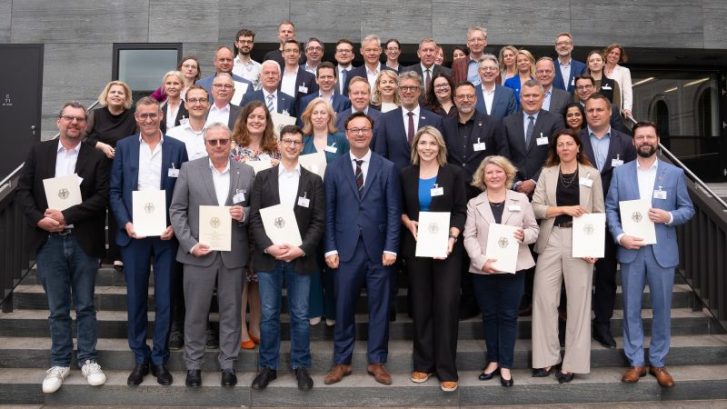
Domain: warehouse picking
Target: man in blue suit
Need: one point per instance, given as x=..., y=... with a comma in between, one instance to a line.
x=275, y=100
x=326, y=80
x=148, y=161
x=566, y=68
x=395, y=133
x=363, y=217
x=492, y=98
x=664, y=186
x=224, y=62
x=359, y=93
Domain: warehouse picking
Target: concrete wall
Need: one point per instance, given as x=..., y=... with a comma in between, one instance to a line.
x=78, y=34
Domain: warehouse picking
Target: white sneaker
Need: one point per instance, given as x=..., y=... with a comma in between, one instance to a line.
x=93, y=373
x=54, y=378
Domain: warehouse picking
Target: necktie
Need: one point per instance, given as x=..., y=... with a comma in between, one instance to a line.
x=344, y=74
x=269, y=103
x=410, y=131
x=427, y=80
x=359, y=175
x=529, y=131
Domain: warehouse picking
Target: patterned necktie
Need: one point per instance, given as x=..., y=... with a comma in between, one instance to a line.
x=529, y=131
x=359, y=175
x=410, y=131
x=269, y=103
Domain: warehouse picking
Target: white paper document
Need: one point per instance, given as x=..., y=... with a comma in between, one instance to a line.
x=149, y=212
x=258, y=165
x=314, y=162
x=240, y=90
x=280, y=120
x=215, y=227
x=635, y=220
x=280, y=225
x=433, y=234
x=63, y=192
x=589, y=235
x=502, y=246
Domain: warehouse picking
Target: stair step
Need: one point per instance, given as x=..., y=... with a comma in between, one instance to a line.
x=114, y=354
x=22, y=386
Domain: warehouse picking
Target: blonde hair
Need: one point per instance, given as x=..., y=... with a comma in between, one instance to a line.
x=376, y=98
x=105, y=93
x=175, y=73
x=308, y=124
x=502, y=56
x=434, y=133
x=530, y=57
x=478, y=179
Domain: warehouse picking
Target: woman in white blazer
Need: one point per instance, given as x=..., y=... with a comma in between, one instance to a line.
x=615, y=54
x=498, y=294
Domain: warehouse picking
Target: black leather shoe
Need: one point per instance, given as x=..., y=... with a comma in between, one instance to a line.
x=229, y=378
x=507, y=382
x=137, y=375
x=602, y=334
x=484, y=376
x=162, y=374
x=194, y=378
x=213, y=338
x=564, y=378
x=542, y=372
x=263, y=378
x=305, y=382
x=176, y=341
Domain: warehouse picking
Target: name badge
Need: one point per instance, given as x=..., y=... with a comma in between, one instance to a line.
x=660, y=194
x=264, y=156
x=303, y=89
x=478, y=146
x=514, y=208
x=183, y=121
x=437, y=191
x=303, y=202
x=616, y=162
x=173, y=172
x=330, y=149
x=239, y=197
x=542, y=140
x=606, y=87
x=587, y=182
x=573, y=81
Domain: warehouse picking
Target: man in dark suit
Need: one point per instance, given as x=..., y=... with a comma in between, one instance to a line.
x=148, y=161
x=585, y=87
x=396, y=131
x=221, y=109
x=566, y=68
x=607, y=149
x=360, y=95
x=492, y=98
x=292, y=187
x=555, y=99
x=275, y=100
x=68, y=241
x=343, y=56
x=213, y=180
x=286, y=32
x=326, y=80
x=363, y=218
x=372, y=66
x=224, y=62
x=426, y=68
x=295, y=81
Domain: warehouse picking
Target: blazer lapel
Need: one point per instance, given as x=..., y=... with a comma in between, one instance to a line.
x=659, y=181
x=371, y=175
x=551, y=183
x=348, y=173
x=234, y=180
x=509, y=201
x=483, y=207
x=584, y=191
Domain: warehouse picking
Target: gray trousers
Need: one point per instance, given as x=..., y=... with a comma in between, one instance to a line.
x=199, y=284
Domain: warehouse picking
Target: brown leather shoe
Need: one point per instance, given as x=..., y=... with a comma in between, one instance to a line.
x=662, y=376
x=379, y=373
x=337, y=373
x=633, y=374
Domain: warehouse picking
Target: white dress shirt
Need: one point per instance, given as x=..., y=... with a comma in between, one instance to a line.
x=221, y=181
x=364, y=166
x=216, y=114
x=371, y=75
x=193, y=140
x=288, y=185
x=488, y=97
x=171, y=114
x=275, y=99
x=66, y=159
x=646, y=178
x=249, y=70
x=287, y=83
x=565, y=71
x=150, y=165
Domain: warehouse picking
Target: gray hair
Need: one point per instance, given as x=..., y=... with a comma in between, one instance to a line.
x=409, y=75
x=215, y=125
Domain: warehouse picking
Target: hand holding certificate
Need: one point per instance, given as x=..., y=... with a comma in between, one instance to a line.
x=149, y=210
x=433, y=234
x=635, y=220
x=63, y=192
x=502, y=247
x=280, y=225
x=589, y=235
x=314, y=162
x=215, y=227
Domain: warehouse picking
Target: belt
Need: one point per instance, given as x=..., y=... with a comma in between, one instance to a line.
x=564, y=224
x=64, y=232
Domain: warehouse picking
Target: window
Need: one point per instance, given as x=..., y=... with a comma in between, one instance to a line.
x=142, y=66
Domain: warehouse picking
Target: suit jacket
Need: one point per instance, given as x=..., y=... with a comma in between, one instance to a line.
x=181, y=114
x=342, y=116
x=529, y=159
x=558, y=100
x=311, y=219
x=625, y=186
x=374, y=215
x=206, y=83
x=285, y=101
x=517, y=212
x=360, y=72
x=487, y=130
x=125, y=178
x=619, y=147
x=436, y=69
x=390, y=137
x=576, y=68
x=89, y=217
x=591, y=198
x=234, y=113
x=303, y=81
x=453, y=200
x=503, y=103
x=195, y=188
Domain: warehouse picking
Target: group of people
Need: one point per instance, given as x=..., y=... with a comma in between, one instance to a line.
x=534, y=154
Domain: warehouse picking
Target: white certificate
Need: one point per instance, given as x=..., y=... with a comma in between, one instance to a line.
x=258, y=165
x=589, y=235
x=215, y=227
x=635, y=220
x=240, y=90
x=280, y=120
x=149, y=212
x=280, y=225
x=63, y=192
x=502, y=246
x=433, y=234
x=314, y=162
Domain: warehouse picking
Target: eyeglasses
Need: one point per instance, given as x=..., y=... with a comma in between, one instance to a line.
x=146, y=116
x=193, y=101
x=584, y=87
x=408, y=89
x=291, y=142
x=489, y=68
x=71, y=118
x=225, y=86
x=218, y=142
x=343, y=50
x=358, y=131
x=466, y=96
x=441, y=86
x=314, y=48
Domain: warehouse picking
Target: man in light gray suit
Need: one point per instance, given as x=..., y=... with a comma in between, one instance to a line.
x=212, y=181
x=555, y=99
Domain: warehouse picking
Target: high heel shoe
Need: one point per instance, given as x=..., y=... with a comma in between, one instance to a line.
x=506, y=382
x=484, y=376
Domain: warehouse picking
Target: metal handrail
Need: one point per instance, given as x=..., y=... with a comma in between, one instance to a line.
x=686, y=170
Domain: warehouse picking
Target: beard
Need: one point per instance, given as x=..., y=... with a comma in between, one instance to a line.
x=646, y=151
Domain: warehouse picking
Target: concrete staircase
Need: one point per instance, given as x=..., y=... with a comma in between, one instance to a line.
x=698, y=361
